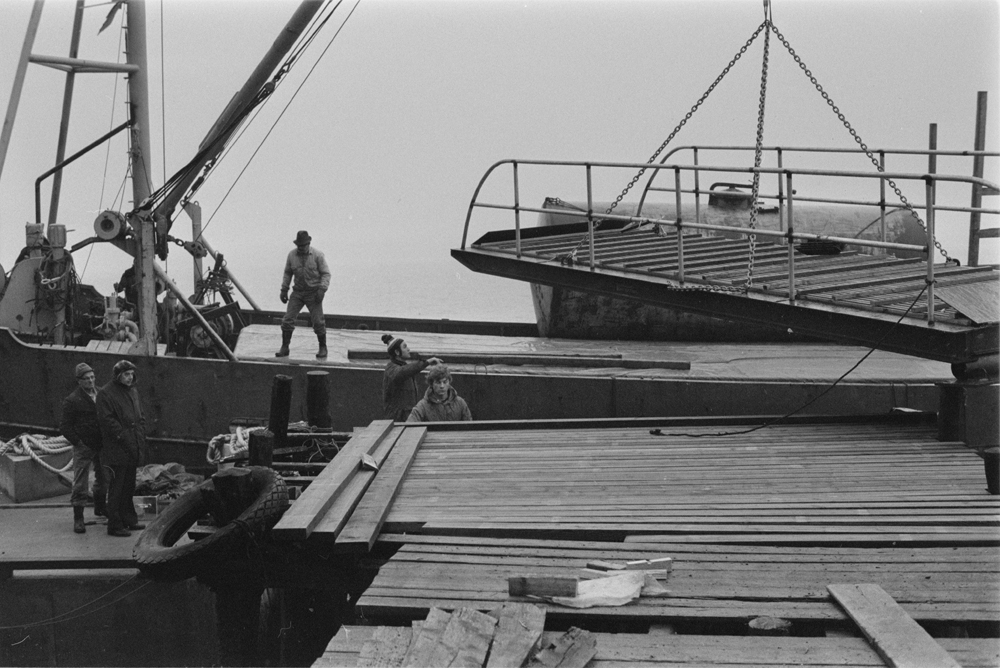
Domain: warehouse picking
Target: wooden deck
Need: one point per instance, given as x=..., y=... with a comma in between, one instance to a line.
x=758, y=524
x=849, y=297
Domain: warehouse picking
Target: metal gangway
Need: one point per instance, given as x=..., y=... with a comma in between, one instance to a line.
x=870, y=290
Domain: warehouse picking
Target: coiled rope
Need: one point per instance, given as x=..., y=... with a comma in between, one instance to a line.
x=36, y=446
x=238, y=442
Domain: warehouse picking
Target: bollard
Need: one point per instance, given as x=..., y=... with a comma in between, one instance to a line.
x=261, y=448
x=318, y=399
x=991, y=461
x=281, y=406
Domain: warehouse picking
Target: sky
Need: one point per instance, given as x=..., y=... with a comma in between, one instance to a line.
x=377, y=145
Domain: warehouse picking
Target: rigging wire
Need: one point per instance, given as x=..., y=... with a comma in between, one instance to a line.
x=280, y=115
x=770, y=423
x=69, y=615
x=163, y=96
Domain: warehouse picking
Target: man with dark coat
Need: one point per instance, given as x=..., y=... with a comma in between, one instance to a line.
x=79, y=426
x=124, y=446
x=399, y=382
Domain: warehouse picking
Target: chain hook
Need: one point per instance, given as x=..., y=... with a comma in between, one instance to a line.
x=767, y=11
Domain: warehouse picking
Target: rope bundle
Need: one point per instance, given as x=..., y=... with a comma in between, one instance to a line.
x=35, y=446
x=237, y=443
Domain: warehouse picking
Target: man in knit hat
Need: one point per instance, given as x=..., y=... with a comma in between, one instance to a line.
x=312, y=279
x=124, y=436
x=399, y=383
x=79, y=426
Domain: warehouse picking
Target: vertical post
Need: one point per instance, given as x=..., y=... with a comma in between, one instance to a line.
x=791, y=244
x=590, y=216
x=930, y=249
x=781, y=196
x=977, y=171
x=677, y=223
x=22, y=69
x=881, y=196
x=142, y=224
x=318, y=399
x=74, y=50
x=697, y=190
x=517, y=214
x=193, y=210
x=281, y=405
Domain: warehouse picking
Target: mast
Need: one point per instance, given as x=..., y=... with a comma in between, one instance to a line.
x=141, y=221
x=22, y=69
x=74, y=50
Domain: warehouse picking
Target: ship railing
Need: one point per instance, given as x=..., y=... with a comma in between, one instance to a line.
x=789, y=235
x=778, y=154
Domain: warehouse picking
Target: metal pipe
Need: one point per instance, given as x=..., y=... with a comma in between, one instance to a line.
x=881, y=196
x=781, y=198
x=590, y=216
x=517, y=214
x=82, y=66
x=97, y=142
x=680, y=230
x=930, y=250
x=235, y=282
x=169, y=282
x=22, y=67
x=791, y=244
x=977, y=170
x=697, y=190
x=74, y=49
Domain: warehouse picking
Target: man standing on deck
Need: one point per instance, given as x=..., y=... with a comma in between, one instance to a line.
x=79, y=426
x=312, y=280
x=124, y=446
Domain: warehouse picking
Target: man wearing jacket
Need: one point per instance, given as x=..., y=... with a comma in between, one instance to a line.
x=312, y=279
x=79, y=426
x=124, y=446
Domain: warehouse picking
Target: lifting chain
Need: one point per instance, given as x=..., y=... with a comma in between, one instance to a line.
x=757, y=155
x=867, y=151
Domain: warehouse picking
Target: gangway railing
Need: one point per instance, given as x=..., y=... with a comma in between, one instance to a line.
x=779, y=153
x=930, y=180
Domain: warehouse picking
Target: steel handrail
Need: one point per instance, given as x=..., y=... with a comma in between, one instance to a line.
x=930, y=180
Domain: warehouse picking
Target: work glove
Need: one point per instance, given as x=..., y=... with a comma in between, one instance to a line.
x=284, y=295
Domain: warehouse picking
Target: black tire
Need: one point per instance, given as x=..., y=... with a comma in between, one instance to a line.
x=158, y=558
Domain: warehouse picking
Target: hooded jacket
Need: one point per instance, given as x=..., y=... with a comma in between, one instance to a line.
x=123, y=426
x=399, y=388
x=431, y=409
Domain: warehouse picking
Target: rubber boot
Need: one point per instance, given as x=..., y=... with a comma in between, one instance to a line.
x=78, y=526
x=100, y=505
x=321, y=355
x=286, y=340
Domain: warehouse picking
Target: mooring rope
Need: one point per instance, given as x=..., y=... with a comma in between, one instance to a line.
x=35, y=446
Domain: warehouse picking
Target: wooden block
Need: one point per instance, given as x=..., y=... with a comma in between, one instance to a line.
x=464, y=640
x=542, y=585
x=368, y=463
x=897, y=638
x=387, y=647
x=519, y=630
x=362, y=529
x=599, y=565
x=300, y=520
x=573, y=649
x=648, y=564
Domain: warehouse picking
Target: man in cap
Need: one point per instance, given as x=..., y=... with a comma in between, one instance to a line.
x=312, y=279
x=79, y=426
x=124, y=446
x=399, y=382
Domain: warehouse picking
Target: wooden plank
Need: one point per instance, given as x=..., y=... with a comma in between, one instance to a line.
x=519, y=630
x=899, y=640
x=337, y=515
x=300, y=520
x=387, y=647
x=458, y=639
x=362, y=529
x=537, y=359
x=980, y=301
x=542, y=585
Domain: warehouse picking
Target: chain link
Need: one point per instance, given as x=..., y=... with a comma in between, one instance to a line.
x=861, y=144
x=757, y=156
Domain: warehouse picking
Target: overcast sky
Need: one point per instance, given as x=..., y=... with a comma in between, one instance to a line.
x=381, y=150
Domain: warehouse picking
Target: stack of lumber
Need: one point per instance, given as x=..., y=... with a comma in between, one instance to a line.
x=509, y=636
x=864, y=484
x=347, y=502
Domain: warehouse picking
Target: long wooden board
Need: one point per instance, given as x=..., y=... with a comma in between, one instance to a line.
x=899, y=640
x=300, y=520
